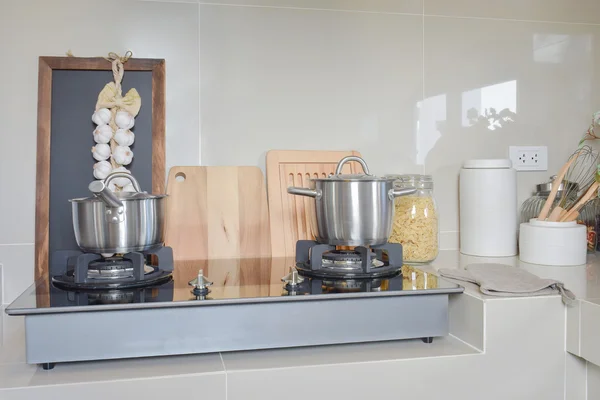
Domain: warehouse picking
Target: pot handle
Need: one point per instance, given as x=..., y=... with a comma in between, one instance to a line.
x=338, y=169
x=393, y=193
x=304, y=192
x=125, y=175
x=100, y=190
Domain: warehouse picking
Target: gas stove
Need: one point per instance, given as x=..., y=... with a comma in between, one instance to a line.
x=325, y=261
x=75, y=270
x=202, y=306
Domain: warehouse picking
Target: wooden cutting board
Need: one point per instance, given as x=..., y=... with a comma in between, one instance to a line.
x=217, y=213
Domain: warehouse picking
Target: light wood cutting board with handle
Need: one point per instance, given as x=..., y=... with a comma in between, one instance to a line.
x=217, y=213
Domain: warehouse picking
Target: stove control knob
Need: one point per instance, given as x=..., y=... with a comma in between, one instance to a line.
x=293, y=278
x=200, y=284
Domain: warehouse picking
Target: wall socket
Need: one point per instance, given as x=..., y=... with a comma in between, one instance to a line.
x=529, y=158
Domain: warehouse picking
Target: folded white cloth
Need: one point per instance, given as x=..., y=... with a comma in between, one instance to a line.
x=507, y=281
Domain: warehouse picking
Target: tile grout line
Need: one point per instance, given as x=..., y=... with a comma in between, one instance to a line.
x=397, y=13
x=199, y=84
x=422, y=70
x=224, y=369
x=308, y=8
x=535, y=21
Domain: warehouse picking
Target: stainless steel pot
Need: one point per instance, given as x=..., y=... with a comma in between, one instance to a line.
x=118, y=222
x=352, y=209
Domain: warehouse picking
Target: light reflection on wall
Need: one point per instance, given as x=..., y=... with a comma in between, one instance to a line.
x=432, y=111
x=557, y=48
x=491, y=105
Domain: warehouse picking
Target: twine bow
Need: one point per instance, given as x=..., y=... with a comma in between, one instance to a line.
x=111, y=95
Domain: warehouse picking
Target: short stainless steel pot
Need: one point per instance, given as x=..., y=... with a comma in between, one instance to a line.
x=118, y=222
x=352, y=209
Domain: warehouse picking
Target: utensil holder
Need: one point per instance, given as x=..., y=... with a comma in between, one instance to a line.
x=552, y=243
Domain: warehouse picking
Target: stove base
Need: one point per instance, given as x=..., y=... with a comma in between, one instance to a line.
x=205, y=328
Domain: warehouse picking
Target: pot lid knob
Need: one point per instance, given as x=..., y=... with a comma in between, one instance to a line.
x=293, y=278
x=200, y=284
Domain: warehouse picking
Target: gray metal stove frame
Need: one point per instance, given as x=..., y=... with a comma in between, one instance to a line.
x=159, y=329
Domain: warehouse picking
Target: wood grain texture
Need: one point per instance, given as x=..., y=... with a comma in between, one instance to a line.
x=100, y=64
x=46, y=65
x=217, y=213
x=158, y=126
x=292, y=217
x=42, y=178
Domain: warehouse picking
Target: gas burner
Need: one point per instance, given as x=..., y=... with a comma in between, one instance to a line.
x=111, y=263
x=72, y=270
x=324, y=261
x=348, y=260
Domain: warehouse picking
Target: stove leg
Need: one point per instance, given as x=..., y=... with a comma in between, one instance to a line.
x=427, y=340
x=47, y=366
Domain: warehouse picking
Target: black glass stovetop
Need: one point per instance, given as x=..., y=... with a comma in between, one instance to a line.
x=234, y=281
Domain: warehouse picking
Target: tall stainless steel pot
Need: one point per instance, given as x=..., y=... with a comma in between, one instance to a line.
x=118, y=222
x=352, y=209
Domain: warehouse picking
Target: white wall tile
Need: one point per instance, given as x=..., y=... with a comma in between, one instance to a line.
x=17, y=268
x=593, y=381
x=575, y=379
x=393, y=6
x=274, y=78
x=149, y=29
x=539, y=10
x=545, y=73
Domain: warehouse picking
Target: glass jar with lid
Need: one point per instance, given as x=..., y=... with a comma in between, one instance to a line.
x=415, y=223
x=532, y=207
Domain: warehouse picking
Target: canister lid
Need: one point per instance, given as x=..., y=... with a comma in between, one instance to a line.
x=413, y=180
x=546, y=187
x=488, y=164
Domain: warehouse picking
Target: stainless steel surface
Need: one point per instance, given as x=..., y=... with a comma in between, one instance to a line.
x=200, y=282
x=125, y=175
x=338, y=169
x=137, y=224
x=204, y=328
x=104, y=194
x=293, y=278
x=352, y=211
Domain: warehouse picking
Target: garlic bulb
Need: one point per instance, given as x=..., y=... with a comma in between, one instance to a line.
x=102, y=116
x=124, y=137
x=101, y=152
x=112, y=186
x=122, y=155
x=129, y=188
x=103, y=134
x=124, y=120
x=121, y=182
x=102, y=169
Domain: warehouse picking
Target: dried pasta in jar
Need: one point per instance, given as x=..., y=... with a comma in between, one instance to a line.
x=415, y=223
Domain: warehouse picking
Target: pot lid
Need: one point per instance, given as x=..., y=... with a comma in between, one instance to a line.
x=366, y=177
x=546, y=187
x=488, y=164
x=103, y=193
x=124, y=196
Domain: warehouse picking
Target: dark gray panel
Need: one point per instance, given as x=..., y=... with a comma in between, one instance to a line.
x=74, y=96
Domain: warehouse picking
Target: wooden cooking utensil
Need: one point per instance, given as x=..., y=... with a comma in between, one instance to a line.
x=555, y=184
x=574, y=212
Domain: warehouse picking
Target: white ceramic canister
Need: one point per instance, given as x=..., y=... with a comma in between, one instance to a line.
x=488, y=208
x=553, y=243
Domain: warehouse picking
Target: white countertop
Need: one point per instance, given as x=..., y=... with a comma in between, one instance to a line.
x=475, y=345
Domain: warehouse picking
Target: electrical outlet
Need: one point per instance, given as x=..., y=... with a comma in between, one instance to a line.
x=529, y=158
